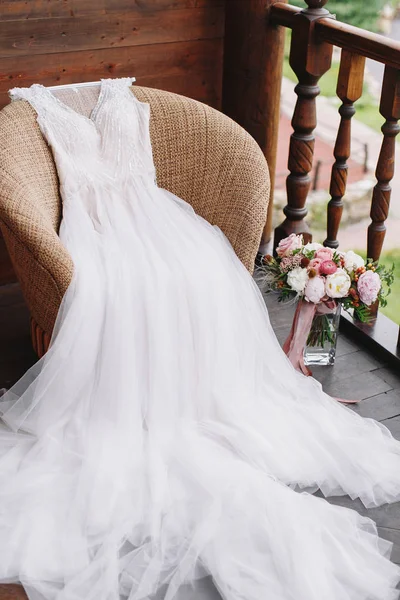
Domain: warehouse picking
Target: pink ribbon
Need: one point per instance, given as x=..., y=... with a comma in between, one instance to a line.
x=297, y=340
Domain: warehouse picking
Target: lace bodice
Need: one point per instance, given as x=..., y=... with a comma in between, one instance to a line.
x=107, y=148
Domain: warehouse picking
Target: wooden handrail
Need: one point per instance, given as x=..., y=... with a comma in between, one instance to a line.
x=360, y=41
x=283, y=14
x=355, y=40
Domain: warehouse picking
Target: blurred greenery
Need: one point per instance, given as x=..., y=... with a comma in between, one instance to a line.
x=392, y=310
x=361, y=13
x=388, y=259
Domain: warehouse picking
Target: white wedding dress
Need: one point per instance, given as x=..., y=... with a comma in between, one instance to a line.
x=165, y=437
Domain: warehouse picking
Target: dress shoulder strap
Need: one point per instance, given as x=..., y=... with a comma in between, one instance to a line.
x=32, y=94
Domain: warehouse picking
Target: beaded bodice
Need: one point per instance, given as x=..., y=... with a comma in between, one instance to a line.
x=109, y=147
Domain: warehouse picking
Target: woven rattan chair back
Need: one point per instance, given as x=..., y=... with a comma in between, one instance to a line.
x=200, y=155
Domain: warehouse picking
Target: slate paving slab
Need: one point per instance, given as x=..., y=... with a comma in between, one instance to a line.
x=380, y=407
x=393, y=425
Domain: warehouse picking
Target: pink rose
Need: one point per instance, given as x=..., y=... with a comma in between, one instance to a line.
x=289, y=244
x=315, y=264
x=368, y=285
x=315, y=290
x=328, y=267
x=324, y=254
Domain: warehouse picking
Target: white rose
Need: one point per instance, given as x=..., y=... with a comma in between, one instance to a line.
x=297, y=279
x=352, y=261
x=338, y=284
x=312, y=246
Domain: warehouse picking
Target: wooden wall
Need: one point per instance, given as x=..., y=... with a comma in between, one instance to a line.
x=175, y=45
x=171, y=44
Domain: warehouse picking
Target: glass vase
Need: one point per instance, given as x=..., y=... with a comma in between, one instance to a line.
x=322, y=339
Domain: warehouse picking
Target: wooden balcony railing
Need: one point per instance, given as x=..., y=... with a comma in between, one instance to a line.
x=314, y=33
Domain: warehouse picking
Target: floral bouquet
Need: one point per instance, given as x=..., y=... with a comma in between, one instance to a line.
x=322, y=279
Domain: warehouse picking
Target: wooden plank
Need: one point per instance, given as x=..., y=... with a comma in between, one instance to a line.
x=12, y=592
x=50, y=36
x=189, y=68
x=252, y=77
x=14, y=337
x=359, y=41
x=283, y=14
x=41, y=9
x=368, y=44
x=6, y=271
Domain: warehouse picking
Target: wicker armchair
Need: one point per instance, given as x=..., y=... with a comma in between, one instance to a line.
x=200, y=155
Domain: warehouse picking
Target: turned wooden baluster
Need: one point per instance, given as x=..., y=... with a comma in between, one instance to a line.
x=349, y=89
x=309, y=59
x=390, y=110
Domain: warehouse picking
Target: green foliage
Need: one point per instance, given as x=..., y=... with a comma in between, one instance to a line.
x=392, y=307
x=386, y=273
x=361, y=13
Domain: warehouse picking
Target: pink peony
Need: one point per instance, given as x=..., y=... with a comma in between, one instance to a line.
x=315, y=264
x=315, y=290
x=328, y=267
x=324, y=254
x=289, y=244
x=368, y=285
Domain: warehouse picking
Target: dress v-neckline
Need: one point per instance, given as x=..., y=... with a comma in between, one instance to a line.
x=105, y=84
x=94, y=111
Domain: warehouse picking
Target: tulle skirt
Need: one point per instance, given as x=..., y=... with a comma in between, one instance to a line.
x=165, y=438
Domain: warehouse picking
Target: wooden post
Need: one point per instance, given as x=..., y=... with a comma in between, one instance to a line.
x=253, y=59
x=349, y=89
x=390, y=110
x=309, y=59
